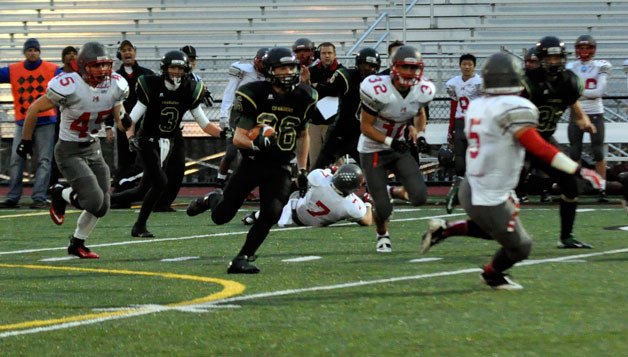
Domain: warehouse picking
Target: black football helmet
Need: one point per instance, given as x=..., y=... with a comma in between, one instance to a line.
x=585, y=47
x=257, y=60
x=551, y=46
x=501, y=75
x=174, y=59
x=94, y=64
x=304, y=49
x=446, y=157
x=347, y=179
x=530, y=59
x=370, y=57
x=406, y=56
x=279, y=57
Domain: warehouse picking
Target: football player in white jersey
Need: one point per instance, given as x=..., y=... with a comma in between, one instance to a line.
x=594, y=74
x=391, y=104
x=85, y=98
x=239, y=74
x=499, y=128
x=462, y=90
x=330, y=198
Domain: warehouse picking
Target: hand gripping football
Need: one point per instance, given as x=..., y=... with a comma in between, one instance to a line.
x=262, y=136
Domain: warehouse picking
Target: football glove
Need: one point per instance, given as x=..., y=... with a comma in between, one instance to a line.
x=226, y=133
x=262, y=142
x=422, y=145
x=399, y=146
x=302, y=182
x=134, y=144
x=25, y=149
x=592, y=177
x=126, y=121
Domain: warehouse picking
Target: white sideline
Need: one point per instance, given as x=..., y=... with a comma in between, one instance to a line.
x=149, y=309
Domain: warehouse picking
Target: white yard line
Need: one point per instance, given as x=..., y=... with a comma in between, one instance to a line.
x=149, y=309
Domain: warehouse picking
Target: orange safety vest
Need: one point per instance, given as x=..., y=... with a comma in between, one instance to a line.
x=27, y=86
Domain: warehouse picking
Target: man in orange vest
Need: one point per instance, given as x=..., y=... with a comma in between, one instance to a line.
x=29, y=81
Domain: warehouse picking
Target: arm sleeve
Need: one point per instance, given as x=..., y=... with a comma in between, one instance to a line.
x=537, y=146
x=138, y=111
x=199, y=116
x=4, y=75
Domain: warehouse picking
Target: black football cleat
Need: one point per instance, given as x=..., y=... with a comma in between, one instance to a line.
x=572, y=243
x=500, y=281
x=202, y=204
x=58, y=205
x=451, y=200
x=242, y=265
x=249, y=219
x=140, y=231
x=77, y=248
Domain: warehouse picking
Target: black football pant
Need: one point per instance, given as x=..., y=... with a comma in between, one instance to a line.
x=157, y=176
x=336, y=145
x=274, y=190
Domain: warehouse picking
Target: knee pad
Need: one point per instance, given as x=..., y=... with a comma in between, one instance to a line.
x=104, y=208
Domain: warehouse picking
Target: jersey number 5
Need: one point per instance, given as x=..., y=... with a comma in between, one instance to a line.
x=474, y=139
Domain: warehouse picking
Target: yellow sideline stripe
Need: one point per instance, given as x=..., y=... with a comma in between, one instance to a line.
x=230, y=288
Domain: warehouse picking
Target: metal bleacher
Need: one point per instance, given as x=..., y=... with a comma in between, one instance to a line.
x=226, y=31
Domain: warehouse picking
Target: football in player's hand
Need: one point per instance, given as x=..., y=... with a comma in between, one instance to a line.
x=266, y=131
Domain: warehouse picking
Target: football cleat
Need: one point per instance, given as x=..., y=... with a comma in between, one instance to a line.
x=383, y=244
x=546, y=197
x=77, y=248
x=572, y=243
x=602, y=198
x=500, y=281
x=140, y=231
x=202, y=204
x=57, y=207
x=241, y=265
x=249, y=219
x=434, y=234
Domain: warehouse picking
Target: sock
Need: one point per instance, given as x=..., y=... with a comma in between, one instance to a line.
x=382, y=235
x=221, y=176
x=457, y=228
x=567, y=217
x=501, y=262
x=256, y=214
x=84, y=225
x=66, y=194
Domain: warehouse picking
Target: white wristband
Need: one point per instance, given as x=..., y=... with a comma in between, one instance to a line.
x=388, y=141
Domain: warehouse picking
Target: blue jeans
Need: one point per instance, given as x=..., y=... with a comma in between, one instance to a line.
x=43, y=140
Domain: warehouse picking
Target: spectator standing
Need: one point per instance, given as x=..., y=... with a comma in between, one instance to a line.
x=78, y=149
x=392, y=48
x=594, y=74
x=284, y=104
x=389, y=105
x=462, y=89
x=130, y=70
x=321, y=72
x=29, y=81
x=343, y=135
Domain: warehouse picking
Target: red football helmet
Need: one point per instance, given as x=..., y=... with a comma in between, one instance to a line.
x=585, y=47
x=406, y=56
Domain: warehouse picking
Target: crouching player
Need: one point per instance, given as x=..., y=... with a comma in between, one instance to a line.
x=329, y=199
x=500, y=127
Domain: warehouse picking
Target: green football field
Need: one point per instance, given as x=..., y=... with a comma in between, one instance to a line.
x=321, y=292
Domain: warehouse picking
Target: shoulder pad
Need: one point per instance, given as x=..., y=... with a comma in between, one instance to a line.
x=370, y=97
x=517, y=111
x=605, y=66
x=317, y=177
x=121, y=85
x=425, y=91
x=64, y=84
x=238, y=69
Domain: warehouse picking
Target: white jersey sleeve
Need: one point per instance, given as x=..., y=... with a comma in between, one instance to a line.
x=373, y=94
x=121, y=86
x=319, y=177
x=594, y=77
x=239, y=74
x=60, y=87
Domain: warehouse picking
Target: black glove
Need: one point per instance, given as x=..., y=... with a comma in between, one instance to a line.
x=134, y=144
x=263, y=142
x=126, y=121
x=399, y=146
x=25, y=149
x=302, y=182
x=208, y=100
x=422, y=145
x=226, y=133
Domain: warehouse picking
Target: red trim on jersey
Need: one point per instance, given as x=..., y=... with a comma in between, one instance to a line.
x=375, y=159
x=452, y=115
x=536, y=145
